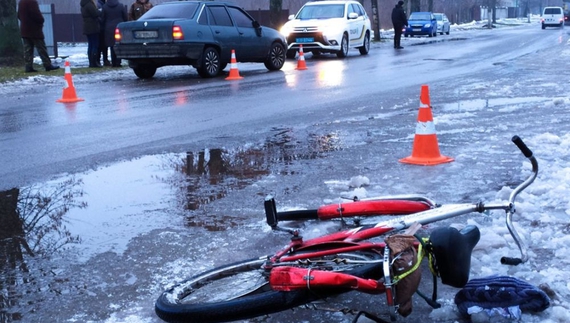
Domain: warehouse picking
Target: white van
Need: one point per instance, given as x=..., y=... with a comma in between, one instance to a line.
x=552, y=17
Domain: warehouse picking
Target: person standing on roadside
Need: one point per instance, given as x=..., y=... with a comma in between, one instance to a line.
x=139, y=8
x=31, y=31
x=399, y=21
x=113, y=14
x=102, y=48
x=91, y=29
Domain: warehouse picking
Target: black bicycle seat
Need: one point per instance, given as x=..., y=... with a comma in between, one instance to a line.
x=452, y=250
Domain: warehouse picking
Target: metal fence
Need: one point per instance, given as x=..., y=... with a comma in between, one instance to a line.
x=47, y=11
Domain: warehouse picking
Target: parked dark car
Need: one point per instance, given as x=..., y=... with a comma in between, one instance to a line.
x=197, y=33
x=421, y=23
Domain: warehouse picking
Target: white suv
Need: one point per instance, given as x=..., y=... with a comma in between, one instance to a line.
x=552, y=17
x=330, y=26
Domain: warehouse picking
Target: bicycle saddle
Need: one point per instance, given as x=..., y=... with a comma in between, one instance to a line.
x=452, y=250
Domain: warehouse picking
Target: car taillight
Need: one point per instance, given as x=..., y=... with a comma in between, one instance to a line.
x=118, y=36
x=177, y=33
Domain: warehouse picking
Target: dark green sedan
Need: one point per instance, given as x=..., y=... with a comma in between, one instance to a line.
x=197, y=33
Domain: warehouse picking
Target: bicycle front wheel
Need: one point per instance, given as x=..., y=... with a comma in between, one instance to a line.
x=241, y=290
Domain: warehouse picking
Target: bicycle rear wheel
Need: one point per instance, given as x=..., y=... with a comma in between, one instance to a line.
x=241, y=290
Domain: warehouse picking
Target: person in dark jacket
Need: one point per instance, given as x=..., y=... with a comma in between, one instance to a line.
x=113, y=13
x=139, y=8
x=103, y=51
x=91, y=29
x=399, y=21
x=31, y=31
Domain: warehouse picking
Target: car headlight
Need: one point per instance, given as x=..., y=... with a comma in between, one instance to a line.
x=286, y=30
x=427, y=25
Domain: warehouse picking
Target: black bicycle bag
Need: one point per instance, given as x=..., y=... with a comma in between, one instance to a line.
x=452, y=251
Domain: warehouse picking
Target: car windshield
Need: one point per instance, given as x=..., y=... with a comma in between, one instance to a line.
x=321, y=12
x=185, y=10
x=420, y=16
x=438, y=17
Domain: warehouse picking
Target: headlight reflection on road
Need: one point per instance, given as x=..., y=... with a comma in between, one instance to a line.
x=291, y=79
x=330, y=73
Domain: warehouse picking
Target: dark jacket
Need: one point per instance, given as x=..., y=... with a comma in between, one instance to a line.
x=90, y=14
x=139, y=8
x=399, y=19
x=31, y=19
x=113, y=13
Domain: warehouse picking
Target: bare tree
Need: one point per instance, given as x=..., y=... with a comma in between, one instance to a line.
x=275, y=7
x=11, y=50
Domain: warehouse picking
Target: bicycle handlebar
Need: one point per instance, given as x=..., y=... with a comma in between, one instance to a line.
x=522, y=146
x=520, y=243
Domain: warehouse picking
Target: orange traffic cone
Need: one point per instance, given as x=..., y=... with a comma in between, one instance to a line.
x=426, y=149
x=69, y=95
x=234, y=73
x=301, y=65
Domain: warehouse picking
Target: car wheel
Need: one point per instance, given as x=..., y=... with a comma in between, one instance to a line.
x=406, y=35
x=211, y=64
x=222, y=67
x=365, y=48
x=276, y=57
x=144, y=71
x=343, y=47
x=291, y=53
x=447, y=33
x=543, y=26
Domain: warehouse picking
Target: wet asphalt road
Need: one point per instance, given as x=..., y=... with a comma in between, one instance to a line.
x=150, y=221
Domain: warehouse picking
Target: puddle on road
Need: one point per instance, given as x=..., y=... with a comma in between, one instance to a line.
x=104, y=209
x=100, y=211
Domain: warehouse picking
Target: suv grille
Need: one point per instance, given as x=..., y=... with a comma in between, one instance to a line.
x=306, y=29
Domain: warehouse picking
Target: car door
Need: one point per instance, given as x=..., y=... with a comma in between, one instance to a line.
x=355, y=25
x=252, y=45
x=224, y=32
x=433, y=23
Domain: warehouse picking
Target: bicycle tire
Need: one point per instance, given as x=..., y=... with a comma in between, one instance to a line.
x=172, y=305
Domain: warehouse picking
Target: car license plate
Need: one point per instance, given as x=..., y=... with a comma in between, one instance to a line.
x=417, y=29
x=146, y=34
x=305, y=40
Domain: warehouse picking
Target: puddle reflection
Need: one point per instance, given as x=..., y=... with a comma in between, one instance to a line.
x=211, y=173
x=32, y=226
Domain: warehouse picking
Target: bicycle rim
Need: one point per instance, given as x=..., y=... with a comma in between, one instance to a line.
x=241, y=290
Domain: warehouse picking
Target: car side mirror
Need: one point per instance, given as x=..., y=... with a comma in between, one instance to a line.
x=352, y=15
x=255, y=24
x=291, y=17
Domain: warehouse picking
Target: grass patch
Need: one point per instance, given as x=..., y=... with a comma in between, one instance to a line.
x=11, y=74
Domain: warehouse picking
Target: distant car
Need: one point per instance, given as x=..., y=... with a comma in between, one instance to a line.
x=421, y=23
x=443, y=25
x=197, y=33
x=552, y=17
x=328, y=27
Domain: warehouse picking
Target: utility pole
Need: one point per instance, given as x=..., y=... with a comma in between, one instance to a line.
x=375, y=20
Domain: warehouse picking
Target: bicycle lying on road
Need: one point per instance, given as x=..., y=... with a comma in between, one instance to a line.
x=306, y=271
